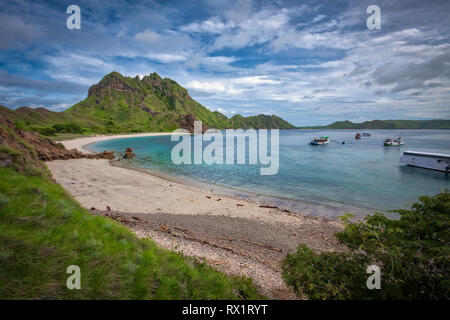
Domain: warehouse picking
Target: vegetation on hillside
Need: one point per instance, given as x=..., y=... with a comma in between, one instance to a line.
x=260, y=121
x=413, y=254
x=387, y=124
x=119, y=104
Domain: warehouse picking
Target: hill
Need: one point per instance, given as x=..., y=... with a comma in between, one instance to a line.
x=124, y=104
x=260, y=121
x=387, y=124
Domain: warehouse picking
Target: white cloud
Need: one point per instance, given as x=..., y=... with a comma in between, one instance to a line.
x=232, y=86
x=147, y=37
x=211, y=25
x=318, y=18
x=166, y=57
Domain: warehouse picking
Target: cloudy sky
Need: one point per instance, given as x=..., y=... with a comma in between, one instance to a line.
x=311, y=62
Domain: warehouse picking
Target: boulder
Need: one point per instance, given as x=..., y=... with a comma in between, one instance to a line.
x=129, y=153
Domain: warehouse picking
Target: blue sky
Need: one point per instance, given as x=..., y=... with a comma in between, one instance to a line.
x=310, y=62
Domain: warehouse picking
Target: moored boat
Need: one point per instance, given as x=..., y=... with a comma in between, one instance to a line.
x=434, y=161
x=394, y=142
x=366, y=134
x=358, y=136
x=320, y=141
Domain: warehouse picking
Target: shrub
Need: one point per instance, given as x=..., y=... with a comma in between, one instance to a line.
x=68, y=128
x=45, y=131
x=20, y=125
x=412, y=252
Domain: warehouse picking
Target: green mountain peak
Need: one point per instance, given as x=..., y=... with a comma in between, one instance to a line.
x=119, y=103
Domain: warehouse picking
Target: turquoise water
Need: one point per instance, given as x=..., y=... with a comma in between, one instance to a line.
x=360, y=176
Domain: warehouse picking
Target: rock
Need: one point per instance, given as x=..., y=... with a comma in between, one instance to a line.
x=106, y=155
x=129, y=153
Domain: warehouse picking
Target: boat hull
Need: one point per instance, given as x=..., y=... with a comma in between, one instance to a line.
x=318, y=143
x=439, y=163
x=393, y=144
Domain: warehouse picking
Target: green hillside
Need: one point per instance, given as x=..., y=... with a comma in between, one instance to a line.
x=124, y=104
x=387, y=124
x=260, y=121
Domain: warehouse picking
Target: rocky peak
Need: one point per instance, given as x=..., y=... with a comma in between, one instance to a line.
x=112, y=81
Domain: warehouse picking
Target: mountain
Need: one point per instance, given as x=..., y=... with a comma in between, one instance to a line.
x=260, y=121
x=387, y=124
x=124, y=104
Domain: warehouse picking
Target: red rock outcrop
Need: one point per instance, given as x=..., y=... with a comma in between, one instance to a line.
x=33, y=147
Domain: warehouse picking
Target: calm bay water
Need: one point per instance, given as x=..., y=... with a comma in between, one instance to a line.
x=358, y=177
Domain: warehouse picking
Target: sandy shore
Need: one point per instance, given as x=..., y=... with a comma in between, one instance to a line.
x=80, y=143
x=236, y=236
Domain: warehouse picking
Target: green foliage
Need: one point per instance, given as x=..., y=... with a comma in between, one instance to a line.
x=68, y=128
x=45, y=131
x=20, y=124
x=260, y=121
x=413, y=253
x=10, y=152
x=326, y=275
x=43, y=231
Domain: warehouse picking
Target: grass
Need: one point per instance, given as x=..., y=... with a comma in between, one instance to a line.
x=43, y=231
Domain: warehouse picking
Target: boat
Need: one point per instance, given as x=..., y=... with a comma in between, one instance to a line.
x=394, y=142
x=366, y=134
x=358, y=136
x=433, y=161
x=320, y=141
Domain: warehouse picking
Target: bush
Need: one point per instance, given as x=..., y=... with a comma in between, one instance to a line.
x=68, y=128
x=45, y=131
x=20, y=125
x=413, y=254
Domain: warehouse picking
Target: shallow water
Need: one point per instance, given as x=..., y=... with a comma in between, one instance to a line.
x=360, y=176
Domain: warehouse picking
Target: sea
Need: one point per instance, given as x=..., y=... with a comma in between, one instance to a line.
x=346, y=176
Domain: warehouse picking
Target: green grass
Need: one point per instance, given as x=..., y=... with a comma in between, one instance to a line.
x=43, y=231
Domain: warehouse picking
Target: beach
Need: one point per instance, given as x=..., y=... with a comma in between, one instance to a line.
x=80, y=143
x=236, y=236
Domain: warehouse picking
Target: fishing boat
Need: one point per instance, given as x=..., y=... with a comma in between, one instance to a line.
x=320, y=141
x=394, y=142
x=433, y=161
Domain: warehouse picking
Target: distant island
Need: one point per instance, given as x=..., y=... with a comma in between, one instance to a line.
x=386, y=124
x=119, y=104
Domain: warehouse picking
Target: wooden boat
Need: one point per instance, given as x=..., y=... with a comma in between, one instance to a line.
x=394, y=142
x=320, y=141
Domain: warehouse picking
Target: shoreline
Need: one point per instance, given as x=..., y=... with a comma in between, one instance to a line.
x=235, y=236
x=308, y=208
x=81, y=143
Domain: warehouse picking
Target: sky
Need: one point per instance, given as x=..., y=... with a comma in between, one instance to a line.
x=310, y=62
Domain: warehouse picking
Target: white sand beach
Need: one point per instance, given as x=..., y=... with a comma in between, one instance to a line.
x=236, y=236
x=80, y=143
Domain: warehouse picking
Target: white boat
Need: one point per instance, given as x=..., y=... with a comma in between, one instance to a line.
x=394, y=142
x=434, y=161
x=320, y=141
